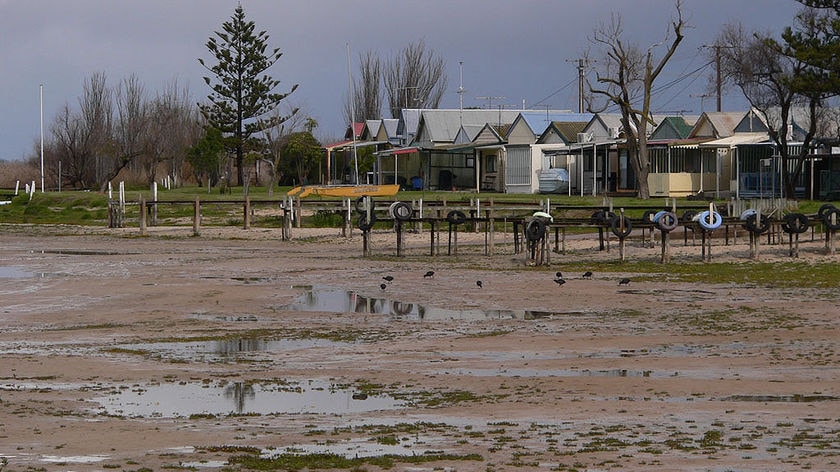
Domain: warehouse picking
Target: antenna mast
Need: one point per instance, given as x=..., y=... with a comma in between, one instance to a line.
x=461, y=93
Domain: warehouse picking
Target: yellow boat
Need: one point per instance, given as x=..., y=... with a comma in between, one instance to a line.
x=344, y=190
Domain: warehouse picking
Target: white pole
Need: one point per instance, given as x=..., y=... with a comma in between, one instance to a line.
x=41, y=93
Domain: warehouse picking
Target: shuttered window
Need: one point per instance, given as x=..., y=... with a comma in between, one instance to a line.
x=518, y=170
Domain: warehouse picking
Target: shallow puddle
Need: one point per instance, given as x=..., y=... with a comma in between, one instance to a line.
x=187, y=399
x=796, y=398
x=225, y=348
x=11, y=272
x=331, y=299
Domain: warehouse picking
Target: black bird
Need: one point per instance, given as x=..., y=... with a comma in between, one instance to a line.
x=428, y=274
x=382, y=286
x=478, y=282
x=624, y=281
x=388, y=278
x=587, y=275
x=558, y=274
x=559, y=281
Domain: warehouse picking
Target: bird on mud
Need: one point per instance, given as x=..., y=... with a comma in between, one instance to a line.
x=388, y=278
x=429, y=274
x=559, y=281
x=478, y=283
x=587, y=275
x=624, y=281
x=558, y=275
x=382, y=286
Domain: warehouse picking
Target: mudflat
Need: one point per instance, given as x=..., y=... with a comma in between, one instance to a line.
x=236, y=350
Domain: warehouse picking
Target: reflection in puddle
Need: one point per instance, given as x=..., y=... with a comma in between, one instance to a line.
x=182, y=400
x=332, y=299
x=226, y=348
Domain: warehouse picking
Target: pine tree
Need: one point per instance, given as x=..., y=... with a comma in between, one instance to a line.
x=242, y=97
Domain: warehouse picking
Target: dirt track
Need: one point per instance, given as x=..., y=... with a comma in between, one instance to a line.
x=103, y=331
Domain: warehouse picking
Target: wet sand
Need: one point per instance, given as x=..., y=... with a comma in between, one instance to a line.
x=173, y=351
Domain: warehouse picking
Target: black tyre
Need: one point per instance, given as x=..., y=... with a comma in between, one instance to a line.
x=535, y=229
x=619, y=222
x=456, y=217
x=824, y=208
x=360, y=204
x=688, y=216
x=668, y=221
x=795, y=223
x=831, y=218
x=756, y=225
x=402, y=211
x=364, y=223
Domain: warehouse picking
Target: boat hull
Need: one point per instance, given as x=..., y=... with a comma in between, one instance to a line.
x=345, y=190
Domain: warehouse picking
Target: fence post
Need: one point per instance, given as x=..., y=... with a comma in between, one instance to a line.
x=196, y=217
x=142, y=216
x=247, y=218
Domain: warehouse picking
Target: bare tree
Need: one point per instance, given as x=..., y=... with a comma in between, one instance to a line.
x=626, y=80
x=275, y=140
x=759, y=66
x=125, y=144
x=72, y=147
x=415, y=78
x=367, y=92
x=174, y=128
x=96, y=117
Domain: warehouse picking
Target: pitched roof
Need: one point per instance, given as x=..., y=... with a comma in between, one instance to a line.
x=441, y=126
x=716, y=124
x=673, y=127
x=538, y=121
x=567, y=131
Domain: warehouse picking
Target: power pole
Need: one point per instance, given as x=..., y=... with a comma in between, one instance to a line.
x=580, y=69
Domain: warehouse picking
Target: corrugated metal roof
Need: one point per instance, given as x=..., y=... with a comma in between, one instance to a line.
x=538, y=121
x=736, y=139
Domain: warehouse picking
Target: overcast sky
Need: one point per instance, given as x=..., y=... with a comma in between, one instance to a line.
x=520, y=50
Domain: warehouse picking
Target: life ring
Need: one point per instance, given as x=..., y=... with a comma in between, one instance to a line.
x=617, y=223
x=756, y=225
x=364, y=223
x=747, y=213
x=795, y=223
x=456, y=217
x=835, y=225
x=824, y=208
x=710, y=221
x=401, y=211
x=535, y=229
x=667, y=221
x=360, y=204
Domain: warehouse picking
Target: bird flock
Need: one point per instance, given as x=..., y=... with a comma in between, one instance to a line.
x=558, y=279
